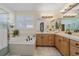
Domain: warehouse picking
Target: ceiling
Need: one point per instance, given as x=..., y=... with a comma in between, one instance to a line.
x=75, y=9
x=33, y=6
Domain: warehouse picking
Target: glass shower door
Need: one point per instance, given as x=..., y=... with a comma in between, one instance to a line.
x=3, y=33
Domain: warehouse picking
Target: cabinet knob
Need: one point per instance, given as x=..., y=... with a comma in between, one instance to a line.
x=76, y=53
x=41, y=36
x=59, y=39
x=77, y=44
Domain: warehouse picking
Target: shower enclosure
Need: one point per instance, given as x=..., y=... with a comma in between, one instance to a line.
x=3, y=32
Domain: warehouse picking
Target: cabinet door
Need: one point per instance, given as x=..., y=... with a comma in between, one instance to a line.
x=57, y=41
x=65, y=47
x=45, y=39
x=60, y=46
x=38, y=40
x=51, y=40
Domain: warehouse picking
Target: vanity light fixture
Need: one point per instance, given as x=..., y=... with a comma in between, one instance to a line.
x=45, y=17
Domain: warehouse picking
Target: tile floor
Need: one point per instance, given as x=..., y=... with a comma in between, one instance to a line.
x=44, y=51
x=47, y=51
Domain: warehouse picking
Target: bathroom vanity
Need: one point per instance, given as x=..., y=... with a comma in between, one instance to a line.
x=22, y=46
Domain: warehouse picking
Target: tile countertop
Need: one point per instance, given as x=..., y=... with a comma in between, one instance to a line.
x=73, y=36
x=45, y=32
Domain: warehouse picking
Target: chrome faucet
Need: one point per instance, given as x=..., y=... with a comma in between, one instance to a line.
x=28, y=38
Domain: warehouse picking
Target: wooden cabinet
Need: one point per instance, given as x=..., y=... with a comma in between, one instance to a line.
x=51, y=40
x=38, y=40
x=44, y=40
x=74, y=48
x=65, y=46
x=57, y=42
x=62, y=44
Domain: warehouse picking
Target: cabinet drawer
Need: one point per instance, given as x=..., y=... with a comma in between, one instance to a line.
x=74, y=51
x=74, y=43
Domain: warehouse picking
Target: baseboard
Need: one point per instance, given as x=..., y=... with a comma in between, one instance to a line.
x=4, y=51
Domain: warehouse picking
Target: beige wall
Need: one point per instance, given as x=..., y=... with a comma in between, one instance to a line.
x=37, y=19
x=30, y=30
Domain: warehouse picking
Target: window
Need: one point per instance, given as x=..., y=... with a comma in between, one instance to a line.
x=24, y=22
